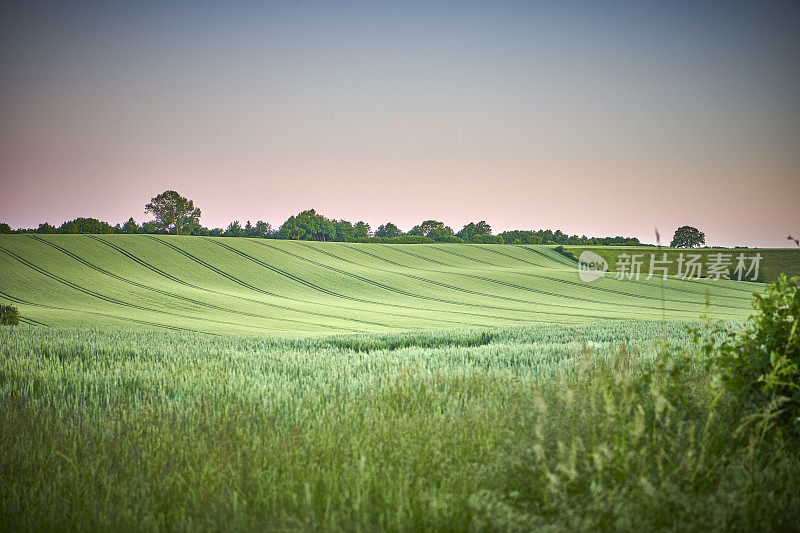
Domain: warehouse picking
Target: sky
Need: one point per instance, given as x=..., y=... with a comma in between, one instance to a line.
x=596, y=118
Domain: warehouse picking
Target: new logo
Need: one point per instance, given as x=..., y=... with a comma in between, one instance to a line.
x=591, y=266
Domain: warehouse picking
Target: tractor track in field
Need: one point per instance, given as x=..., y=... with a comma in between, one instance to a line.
x=106, y=315
x=399, y=291
x=303, y=282
x=116, y=301
x=515, y=286
x=31, y=322
x=468, y=258
x=267, y=304
x=539, y=276
x=322, y=282
x=498, y=252
x=412, y=254
x=393, y=289
x=568, y=282
x=557, y=257
x=199, y=302
x=417, y=278
x=457, y=254
x=383, y=286
x=563, y=260
x=143, y=263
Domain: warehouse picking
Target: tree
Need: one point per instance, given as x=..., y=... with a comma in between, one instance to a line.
x=130, y=226
x=173, y=212
x=9, y=315
x=388, y=230
x=85, y=225
x=197, y=229
x=473, y=230
x=290, y=229
x=344, y=231
x=688, y=237
x=235, y=230
x=308, y=226
x=444, y=234
x=46, y=228
x=521, y=237
x=152, y=228
x=432, y=229
x=361, y=230
x=263, y=229
x=5, y=228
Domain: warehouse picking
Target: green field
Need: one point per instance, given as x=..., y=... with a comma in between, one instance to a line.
x=184, y=383
x=274, y=287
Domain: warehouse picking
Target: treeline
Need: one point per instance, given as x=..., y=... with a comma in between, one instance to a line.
x=312, y=226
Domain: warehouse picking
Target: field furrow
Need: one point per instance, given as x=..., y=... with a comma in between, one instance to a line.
x=278, y=287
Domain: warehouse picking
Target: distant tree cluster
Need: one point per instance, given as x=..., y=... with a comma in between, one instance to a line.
x=177, y=215
x=557, y=237
x=311, y=226
x=79, y=225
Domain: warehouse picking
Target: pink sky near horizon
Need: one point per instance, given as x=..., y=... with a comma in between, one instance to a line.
x=459, y=113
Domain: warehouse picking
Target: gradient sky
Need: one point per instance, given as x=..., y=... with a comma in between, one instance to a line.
x=597, y=118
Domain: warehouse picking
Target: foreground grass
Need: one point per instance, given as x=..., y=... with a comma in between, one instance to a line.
x=562, y=428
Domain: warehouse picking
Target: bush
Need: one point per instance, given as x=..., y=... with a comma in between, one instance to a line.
x=566, y=253
x=760, y=364
x=9, y=315
x=486, y=239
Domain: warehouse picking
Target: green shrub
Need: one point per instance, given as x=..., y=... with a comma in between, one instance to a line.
x=566, y=253
x=760, y=364
x=9, y=315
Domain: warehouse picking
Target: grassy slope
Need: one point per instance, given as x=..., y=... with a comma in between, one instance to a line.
x=249, y=286
x=774, y=260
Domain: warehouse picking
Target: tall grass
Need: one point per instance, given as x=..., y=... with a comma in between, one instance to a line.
x=563, y=428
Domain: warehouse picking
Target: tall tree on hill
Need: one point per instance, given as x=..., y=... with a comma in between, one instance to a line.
x=235, y=230
x=473, y=230
x=361, y=230
x=344, y=231
x=388, y=230
x=261, y=229
x=308, y=226
x=688, y=237
x=130, y=226
x=173, y=212
x=83, y=225
x=426, y=228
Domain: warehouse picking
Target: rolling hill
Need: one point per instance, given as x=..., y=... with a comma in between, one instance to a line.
x=276, y=287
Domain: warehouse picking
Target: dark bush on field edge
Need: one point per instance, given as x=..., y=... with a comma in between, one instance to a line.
x=566, y=253
x=9, y=315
